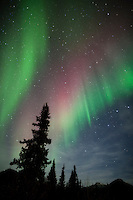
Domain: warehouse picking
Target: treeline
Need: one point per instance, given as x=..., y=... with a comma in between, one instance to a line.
x=16, y=186
x=73, y=182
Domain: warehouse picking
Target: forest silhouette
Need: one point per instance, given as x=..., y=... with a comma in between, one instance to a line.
x=30, y=182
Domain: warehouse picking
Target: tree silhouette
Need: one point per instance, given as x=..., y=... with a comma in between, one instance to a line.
x=33, y=157
x=73, y=181
x=52, y=176
x=62, y=178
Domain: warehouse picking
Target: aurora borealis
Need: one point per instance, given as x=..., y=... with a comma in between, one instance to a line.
x=23, y=49
x=77, y=57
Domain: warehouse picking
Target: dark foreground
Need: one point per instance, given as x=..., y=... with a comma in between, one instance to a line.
x=14, y=187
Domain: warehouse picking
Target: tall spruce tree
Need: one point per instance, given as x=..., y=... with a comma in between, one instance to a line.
x=73, y=181
x=33, y=156
x=52, y=176
x=61, y=183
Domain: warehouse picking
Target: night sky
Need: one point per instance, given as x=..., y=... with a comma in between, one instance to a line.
x=76, y=55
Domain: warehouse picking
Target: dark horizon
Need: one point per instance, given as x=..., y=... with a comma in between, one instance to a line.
x=18, y=186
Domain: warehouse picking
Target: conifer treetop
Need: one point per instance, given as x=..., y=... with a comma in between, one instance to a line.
x=33, y=157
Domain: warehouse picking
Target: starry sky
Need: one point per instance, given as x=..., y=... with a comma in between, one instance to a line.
x=76, y=56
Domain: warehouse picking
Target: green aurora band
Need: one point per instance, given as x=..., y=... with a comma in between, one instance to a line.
x=93, y=99
x=24, y=48
x=24, y=51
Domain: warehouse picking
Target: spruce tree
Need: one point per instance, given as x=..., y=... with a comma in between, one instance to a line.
x=33, y=156
x=52, y=176
x=73, y=181
x=61, y=183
